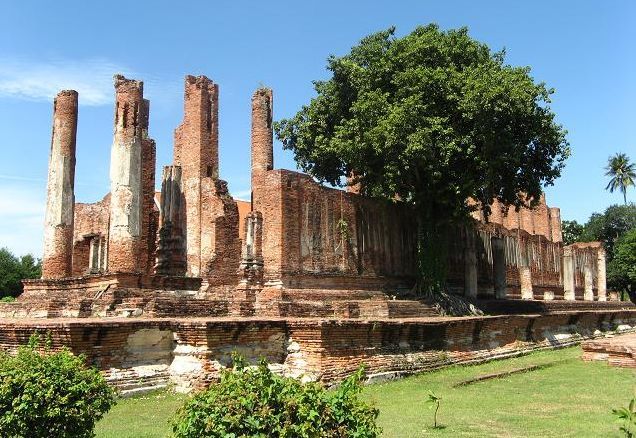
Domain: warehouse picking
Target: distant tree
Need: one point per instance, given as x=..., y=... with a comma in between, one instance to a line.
x=572, y=232
x=14, y=269
x=622, y=174
x=608, y=226
x=433, y=118
x=621, y=270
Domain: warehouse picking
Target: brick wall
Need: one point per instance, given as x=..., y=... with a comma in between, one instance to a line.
x=191, y=352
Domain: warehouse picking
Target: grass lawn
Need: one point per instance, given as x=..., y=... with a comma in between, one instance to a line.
x=569, y=398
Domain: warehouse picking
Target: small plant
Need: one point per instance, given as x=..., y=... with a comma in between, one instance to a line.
x=254, y=402
x=343, y=228
x=434, y=400
x=627, y=416
x=7, y=299
x=50, y=394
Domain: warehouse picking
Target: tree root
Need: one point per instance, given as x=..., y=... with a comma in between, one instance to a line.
x=453, y=305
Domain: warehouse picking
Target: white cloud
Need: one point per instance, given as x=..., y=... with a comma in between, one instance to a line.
x=22, y=219
x=42, y=80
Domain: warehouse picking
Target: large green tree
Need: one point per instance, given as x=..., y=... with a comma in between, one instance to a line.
x=14, y=269
x=621, y=269
x=608, y=226
x=434, y=119
x=622, y=174
x=572, y=231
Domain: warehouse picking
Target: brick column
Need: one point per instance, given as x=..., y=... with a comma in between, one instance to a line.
x=600, y=275
x=124, y=239
x=499, y=266
x=568, y=274
x=555, y=225
x=196, y=152
x=60, y=197
x=262, y=139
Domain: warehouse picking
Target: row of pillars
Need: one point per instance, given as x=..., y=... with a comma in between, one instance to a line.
x=123, y=251
x=525, y=273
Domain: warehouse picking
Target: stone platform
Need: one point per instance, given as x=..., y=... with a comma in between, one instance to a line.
x=146, y=353
x=618, y=351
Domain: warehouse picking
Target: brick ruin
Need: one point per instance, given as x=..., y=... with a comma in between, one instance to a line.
x=315, y=279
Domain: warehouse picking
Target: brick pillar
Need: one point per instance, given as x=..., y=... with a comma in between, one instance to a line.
x=149, y=216
x=499, y=266
x=525, y=282
x=124, y=238
x=262, y=139
x=470, y=265
x=196, y=151
x=555, y=225
x=568, y=274
x=588, y=278
x=60, y=198
x=496, y=213
x=600, y=275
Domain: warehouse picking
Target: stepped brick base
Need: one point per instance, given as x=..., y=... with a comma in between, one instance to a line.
x=189, y=352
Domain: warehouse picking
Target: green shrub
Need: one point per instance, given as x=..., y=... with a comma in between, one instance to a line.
x=7, y=299
x=254, y=402
x=50, y=394
x=627, y=417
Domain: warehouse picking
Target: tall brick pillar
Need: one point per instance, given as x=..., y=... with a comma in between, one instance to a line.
x=262, y=139
x=60, y=198
x=499, y=266
x=568, y=274
x=196, y=151
x=149, y=217
x=124, y=239
x=600, y=275
x=555, y=225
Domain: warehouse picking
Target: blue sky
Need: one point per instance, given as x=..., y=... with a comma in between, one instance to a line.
x=586, y=50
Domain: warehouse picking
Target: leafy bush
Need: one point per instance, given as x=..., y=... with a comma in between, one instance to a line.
x=7, y=299
x=254, y=402
x=50, y=394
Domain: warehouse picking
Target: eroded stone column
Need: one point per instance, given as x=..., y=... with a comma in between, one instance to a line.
x=60, y=198
x=124, y=238
x=171, y=257
x=601, y=279
x=499, y=266
x=588, y=278
x=568, y=274
x=525, y=282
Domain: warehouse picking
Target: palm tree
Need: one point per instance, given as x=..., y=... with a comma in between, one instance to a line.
x=622, y=173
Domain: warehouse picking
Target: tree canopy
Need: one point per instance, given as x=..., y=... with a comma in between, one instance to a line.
x=434, y=119
x=434, y=116
x=621, y=270
x=14, y=269
x=616, y=228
